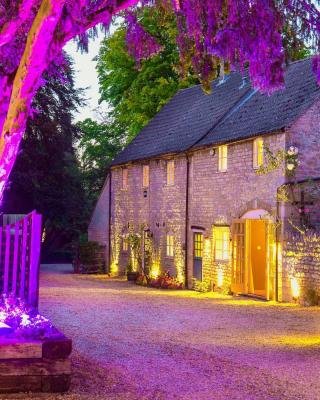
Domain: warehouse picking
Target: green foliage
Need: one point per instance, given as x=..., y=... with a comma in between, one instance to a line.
x=201, y=286
x=137, y=95
x=98, y=145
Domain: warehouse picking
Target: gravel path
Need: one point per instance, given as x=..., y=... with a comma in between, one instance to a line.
x=137, y=343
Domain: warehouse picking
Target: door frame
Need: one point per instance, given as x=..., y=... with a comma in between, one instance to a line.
x=244, y=287
x=194, y=258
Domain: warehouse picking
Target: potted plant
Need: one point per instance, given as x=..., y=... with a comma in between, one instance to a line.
x=131, y=274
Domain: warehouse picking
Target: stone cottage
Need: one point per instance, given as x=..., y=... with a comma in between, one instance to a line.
x=201, y=185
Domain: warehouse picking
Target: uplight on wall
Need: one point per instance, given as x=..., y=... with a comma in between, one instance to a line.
x=220, y=278
x=295, y=288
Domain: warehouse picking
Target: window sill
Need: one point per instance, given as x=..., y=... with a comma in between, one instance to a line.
x=222, y=261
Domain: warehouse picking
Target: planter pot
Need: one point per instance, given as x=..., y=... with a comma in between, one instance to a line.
x=132, y=276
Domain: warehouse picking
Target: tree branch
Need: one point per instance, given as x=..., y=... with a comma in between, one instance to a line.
x=9, y=30
x=32, y=65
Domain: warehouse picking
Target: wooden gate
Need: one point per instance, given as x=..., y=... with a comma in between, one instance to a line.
x=20, y=244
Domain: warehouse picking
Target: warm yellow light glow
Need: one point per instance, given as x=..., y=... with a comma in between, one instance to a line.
x=222, y=240
x=295, y=289
x=179, y=259
x=155, y=269
x=223, y=158
x=220, y=278
x=207, y=248
x=258, y=152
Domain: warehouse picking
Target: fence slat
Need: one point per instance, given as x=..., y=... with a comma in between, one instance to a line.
x=15, y=257
x=34, y=260
x=7, y=260
x=23, y=258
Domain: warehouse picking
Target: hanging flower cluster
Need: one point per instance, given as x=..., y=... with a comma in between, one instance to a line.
x=215, y=34
x=141, y=45
x=212, y=35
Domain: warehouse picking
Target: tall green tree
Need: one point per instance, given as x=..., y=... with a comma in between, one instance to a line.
x=136, y=95
x=46, y=176
x=98, y=145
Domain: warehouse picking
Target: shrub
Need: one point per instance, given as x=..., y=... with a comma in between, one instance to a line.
x=142, y=280
x=165, y=281
x=200, y=286
x=311, y=297
x=90, y=258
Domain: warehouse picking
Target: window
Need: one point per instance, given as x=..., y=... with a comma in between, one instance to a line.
x=145, y=178
x=257, y=152
x=170, y=172
x=125, y=244
x=198, y=245
x=222, y=241
x=125, y=178
x=169, y=245
x=223, y=158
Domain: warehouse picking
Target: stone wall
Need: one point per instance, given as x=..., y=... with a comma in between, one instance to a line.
x=160, y=208
x=98, y=230
x=301, y=266
x=218, y=198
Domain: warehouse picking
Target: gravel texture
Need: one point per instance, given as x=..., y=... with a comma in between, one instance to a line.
x=137, y=343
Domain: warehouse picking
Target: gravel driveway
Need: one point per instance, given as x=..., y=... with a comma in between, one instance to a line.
x=137, y=343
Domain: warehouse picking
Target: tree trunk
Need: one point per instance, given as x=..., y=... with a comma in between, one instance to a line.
x=44, y=43
x=32, y=65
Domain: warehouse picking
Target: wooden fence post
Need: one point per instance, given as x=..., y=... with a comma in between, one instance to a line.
x=35, y=245
x=23, y=258
x=7, y=261
x=15, y=257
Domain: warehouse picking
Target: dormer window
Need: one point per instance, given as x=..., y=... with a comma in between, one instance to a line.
x=170, y=173
x=222, y=158
x=257, y=153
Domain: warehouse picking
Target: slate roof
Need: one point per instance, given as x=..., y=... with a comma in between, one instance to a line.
x=232, y=111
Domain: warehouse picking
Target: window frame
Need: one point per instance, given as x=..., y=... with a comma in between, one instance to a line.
x=145, y=176
x=198, y=245
x=170, y=172
x=169, y=245
x=224, y=248
x=257, y=152
x=223, y=158
x=125, y=244
x=125, y=178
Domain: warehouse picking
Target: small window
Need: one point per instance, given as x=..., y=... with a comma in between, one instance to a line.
x=223, y=158
x=125, y=245
x=257, y=153
x=222, y=242
x=169, y=245
x=125, y=178
x=198, y=245
x=170, y=172
x=145, y=173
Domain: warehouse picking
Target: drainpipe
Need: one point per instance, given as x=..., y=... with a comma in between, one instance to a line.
x=110, y=198
x=277, y=247
x=187, y=222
